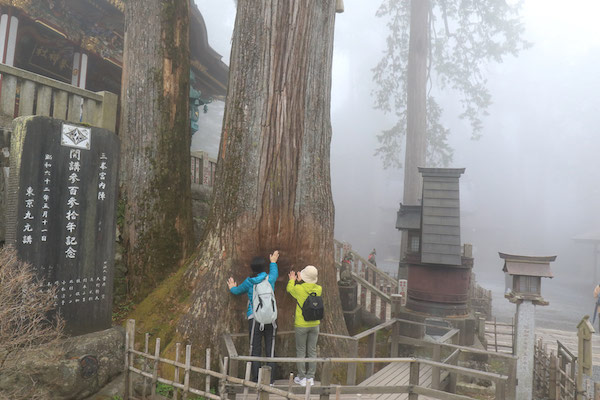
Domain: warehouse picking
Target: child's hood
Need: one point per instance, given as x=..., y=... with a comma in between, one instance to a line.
x=255, y=280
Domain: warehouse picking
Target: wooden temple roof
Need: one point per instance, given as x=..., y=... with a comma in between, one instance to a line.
x=97, y=26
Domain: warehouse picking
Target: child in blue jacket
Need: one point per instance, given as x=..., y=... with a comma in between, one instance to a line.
x=259, y=273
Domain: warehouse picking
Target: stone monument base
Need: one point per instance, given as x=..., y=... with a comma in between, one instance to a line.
x=353, y=320
x=73, y=368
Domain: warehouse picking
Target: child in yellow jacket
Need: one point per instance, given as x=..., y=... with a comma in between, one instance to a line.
x=300, y=286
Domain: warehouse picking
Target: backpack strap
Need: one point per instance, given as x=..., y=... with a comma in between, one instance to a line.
x=309, y=294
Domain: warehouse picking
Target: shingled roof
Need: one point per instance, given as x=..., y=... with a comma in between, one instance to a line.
x=527, y=265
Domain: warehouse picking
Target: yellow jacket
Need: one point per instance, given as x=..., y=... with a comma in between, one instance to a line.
x=300, y=292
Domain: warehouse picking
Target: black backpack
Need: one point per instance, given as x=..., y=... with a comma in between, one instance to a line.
x=312, y=309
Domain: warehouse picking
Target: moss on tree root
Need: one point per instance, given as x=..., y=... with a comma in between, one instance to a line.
x=160, y=311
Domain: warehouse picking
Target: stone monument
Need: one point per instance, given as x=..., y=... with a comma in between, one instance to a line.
x=61, y=213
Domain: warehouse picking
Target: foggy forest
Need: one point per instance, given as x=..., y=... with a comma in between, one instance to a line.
x=529, y=185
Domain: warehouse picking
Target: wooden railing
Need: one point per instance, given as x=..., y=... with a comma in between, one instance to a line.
x=413, y=389
x=372, y=299
x=375, y=287
x=480, y=299
x=25, y=93
x=447, y=345
x=543, y=364
x=150, y=366
x=443, y=368
x=366, y=270
x=500, y=337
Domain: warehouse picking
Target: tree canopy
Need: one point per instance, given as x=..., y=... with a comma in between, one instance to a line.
x=463, y=36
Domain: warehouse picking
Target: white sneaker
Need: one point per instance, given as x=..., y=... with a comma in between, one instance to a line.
x=303, y=382
x=298, y=381
x=310, y=381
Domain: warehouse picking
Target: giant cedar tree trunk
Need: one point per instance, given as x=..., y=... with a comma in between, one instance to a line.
x=156, y=140
x=416, y=109
x=273, y=188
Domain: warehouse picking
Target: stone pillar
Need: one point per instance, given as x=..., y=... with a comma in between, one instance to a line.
x=79, y=73
x=349, y=297
x=525, y=346
x=8, y=38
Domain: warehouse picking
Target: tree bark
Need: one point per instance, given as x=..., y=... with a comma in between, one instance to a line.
x=156, y=141
x=273, y=187
x=416, y=109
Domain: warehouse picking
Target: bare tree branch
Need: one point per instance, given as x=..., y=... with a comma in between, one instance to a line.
x=27, y=319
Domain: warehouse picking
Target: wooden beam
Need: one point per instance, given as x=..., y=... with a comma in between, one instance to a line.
x=413, y=380
x=377, y=328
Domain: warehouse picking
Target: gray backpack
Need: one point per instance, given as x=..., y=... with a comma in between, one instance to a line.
x=264, y=306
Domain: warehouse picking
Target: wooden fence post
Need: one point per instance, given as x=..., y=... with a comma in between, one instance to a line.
x=413, y=380
x=553, y=380
x=247, y=378
x=596, y=390
x=232, y=352
x=513, y=335
x=481, y=329
x=265, y=379
x=155, y=370
x=325, y=380
x=395, y=336
x=107, y=117
x=373, y=302
x=496, y=335
x=307, y=391
x=207, y=386
x=126, y=386
x=435, y=370
x=130, y=346
x=575, y=383
x=187, y=370
x=223, y=381
x=372, y=343
x=559, y=377
x=176, y=372
x=362, y=298
x=383, y=310
x=351, y=376
x=145, y=366
x=7, y=95
x=500, y=390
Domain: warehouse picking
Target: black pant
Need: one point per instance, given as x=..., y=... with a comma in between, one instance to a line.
x=256, y=336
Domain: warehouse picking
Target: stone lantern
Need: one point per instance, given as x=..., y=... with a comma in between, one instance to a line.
x=524, y=277
x=523, y=287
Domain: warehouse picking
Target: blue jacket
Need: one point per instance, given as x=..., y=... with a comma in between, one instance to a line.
x=248, y=285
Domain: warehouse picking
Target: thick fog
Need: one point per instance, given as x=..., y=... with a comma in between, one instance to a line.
x=531, y=182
